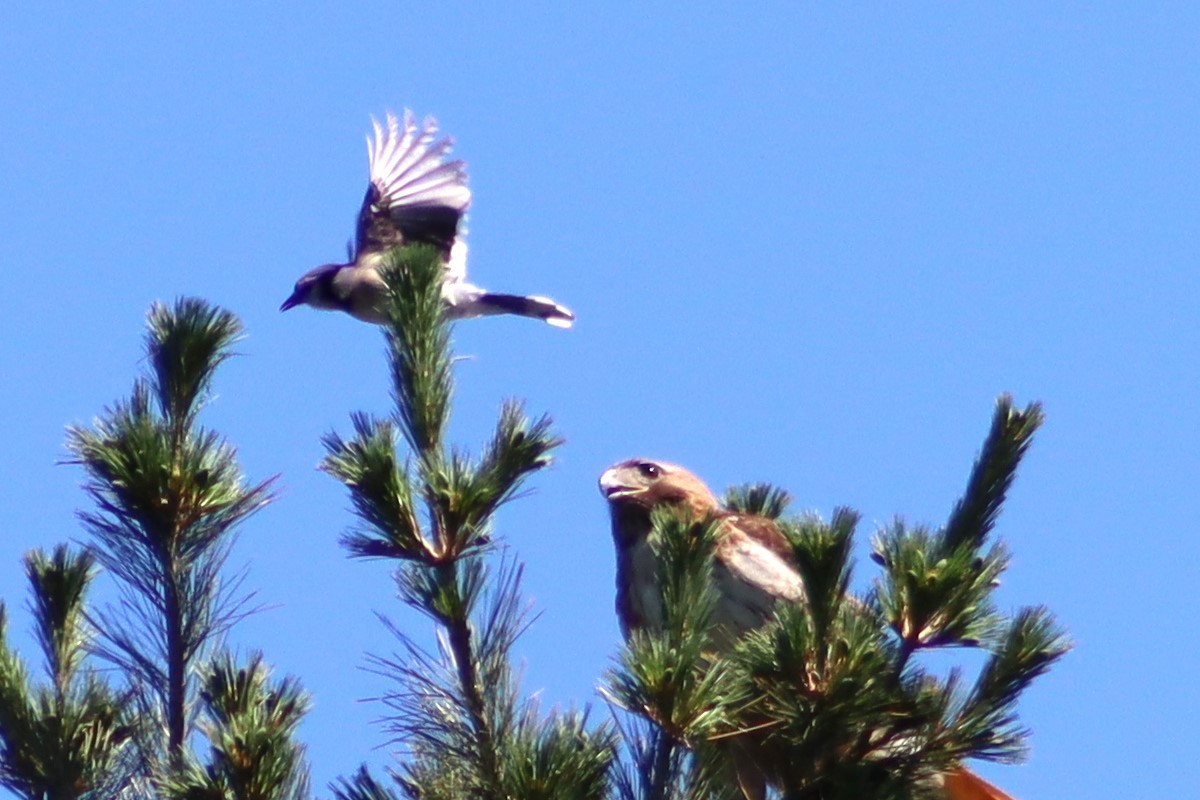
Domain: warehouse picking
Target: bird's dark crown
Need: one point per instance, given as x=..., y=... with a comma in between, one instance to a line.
x=321, y=274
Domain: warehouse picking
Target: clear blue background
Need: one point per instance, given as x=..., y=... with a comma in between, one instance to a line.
x=806, y=245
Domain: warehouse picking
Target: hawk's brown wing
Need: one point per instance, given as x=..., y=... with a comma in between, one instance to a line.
x=754, y=573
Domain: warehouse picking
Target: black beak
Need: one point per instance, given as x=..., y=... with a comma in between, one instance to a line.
x=292, y=302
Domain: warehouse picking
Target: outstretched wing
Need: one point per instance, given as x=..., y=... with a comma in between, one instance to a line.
x=415, y=195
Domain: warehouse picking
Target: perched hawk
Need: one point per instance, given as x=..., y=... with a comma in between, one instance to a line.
x=414, y=195
x=754, y=569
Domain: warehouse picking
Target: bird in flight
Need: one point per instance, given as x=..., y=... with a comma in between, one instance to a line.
x=414, y=195
x=754, y=569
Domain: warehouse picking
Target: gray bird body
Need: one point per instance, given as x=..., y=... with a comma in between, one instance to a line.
x=414, y=196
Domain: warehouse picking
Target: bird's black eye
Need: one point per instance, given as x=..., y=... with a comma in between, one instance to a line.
x=648, y=470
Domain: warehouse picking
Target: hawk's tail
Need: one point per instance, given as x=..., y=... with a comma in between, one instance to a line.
x=542, y=308
x=962, y=784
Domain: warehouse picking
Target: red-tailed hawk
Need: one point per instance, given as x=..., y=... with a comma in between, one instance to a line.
x=754, y=569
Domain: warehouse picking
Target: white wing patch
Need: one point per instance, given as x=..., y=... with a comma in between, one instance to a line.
x=456, y=265
x=753, y=579
x=409, y=169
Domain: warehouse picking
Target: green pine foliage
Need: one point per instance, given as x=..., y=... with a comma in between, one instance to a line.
x=70, y=738
x=671, y=680
x=250, y=724
x=169, y=496
x=832, y=699
x=458, y=712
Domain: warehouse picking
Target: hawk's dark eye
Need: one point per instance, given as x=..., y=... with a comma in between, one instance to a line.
x=648, y=470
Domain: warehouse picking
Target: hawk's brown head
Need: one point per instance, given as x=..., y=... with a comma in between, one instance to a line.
x=636, y=486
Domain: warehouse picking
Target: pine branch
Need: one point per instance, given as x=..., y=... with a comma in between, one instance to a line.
x=987, y=722
x=457, y=607
x=1009, y=439
x=250, y=724
x=667, y=676
x=68, y=740
x=20, y=766
x=932, y=599
x=822, y=554
x=556, y=758
x=184, y=346
x=419, y=347
x=169, y=496
x=457, y=711
x=762, y=499
x=656, y=765
x=60, y=582
x=362, y=787
x=379, y=489
x=937, y=585
x=825, y=700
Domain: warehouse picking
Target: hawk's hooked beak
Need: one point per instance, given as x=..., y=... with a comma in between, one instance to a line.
x=612, y=487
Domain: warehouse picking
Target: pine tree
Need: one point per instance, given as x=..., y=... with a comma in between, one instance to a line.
x=169, y=496
x=458, y=712
x=831, y=699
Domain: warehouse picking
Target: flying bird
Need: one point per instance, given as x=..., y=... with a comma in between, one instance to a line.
x=754, y=569
x=414, y=195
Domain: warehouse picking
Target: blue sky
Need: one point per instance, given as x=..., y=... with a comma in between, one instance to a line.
x=806, y=244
